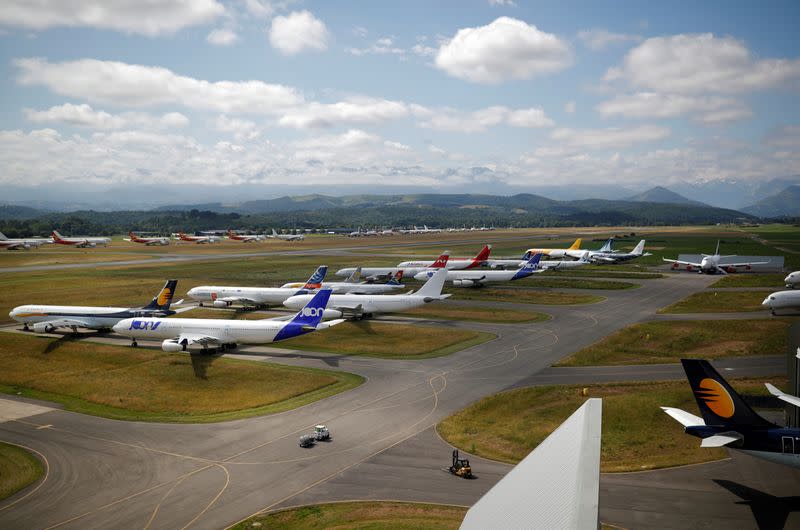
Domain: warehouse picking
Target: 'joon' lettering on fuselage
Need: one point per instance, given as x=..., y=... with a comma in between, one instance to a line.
x=138, y=324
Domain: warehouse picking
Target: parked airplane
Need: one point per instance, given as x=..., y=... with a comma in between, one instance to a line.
x=782, y=300
x=792, y=279
x=149, y=241
x=377, y=273
x=364, y=306
x=80, y=242
x=512, y=264
x=46, y=318
x=710, y=264
x=578, y=253
x=180, y=334
x=618, y=257
x=198, y=239
x=286, y=237
x=246, y=239
x=477, y=278
x=256, y=297
x=728, y=421
x=22, y=244
x=557, y=253
x=352, y=285
x=452, y=263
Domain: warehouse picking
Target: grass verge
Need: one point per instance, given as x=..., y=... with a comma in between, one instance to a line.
x=718, y=302
x=18, y=469
x=580, y=283
x=525, y=296
x=596, y=273
x=475, y=314
x=668, y=342
x=366, y=515
x=389, y=341
x=637, y=435
x=150, y=385
x=749, y=280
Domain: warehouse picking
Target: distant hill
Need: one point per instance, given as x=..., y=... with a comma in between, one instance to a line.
x=783, y=204
x=11, y=211
x=663, y=195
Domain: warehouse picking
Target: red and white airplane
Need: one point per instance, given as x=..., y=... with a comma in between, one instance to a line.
x=197, y=239
x=453, y=263
x=246, y=239
x=22, y=244
x=149, y=241
x=80, y=242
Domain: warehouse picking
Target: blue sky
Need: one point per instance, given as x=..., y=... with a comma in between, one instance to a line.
x=327, y=95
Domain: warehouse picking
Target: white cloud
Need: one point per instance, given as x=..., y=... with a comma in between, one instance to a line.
x=502, y=3
x=608, y=138
x=504, y=49
x=85, y=116
x=297, y=32
x=784, y=136
x=448, y=119
x=381, y=46
x=130, y=16
x=697, y=63
x=259, y=8
x=243, y=130
x=222, y=37
x=424, y=51
x=138, y=86
x=598, y=39
x=569, y=107
x=354, y=110
x=706, y=109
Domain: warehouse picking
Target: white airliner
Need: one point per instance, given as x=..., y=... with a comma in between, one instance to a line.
x=782, y=300
x=257, y=297
x=513, y=264
x=80, y=242
x=364, y=306
x=22, y=243
x=376, y=273
x=710, y=264
x=286, y=237
x=233, y=236
x=452, y=263
x=47, y=318
x=615, y=256
x=197, y=239
x=792, y=279
x=149, y=241
x=478, y=278
x=352, y=285
x=180, y=334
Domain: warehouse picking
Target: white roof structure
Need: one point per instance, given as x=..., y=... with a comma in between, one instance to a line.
x=556, y=486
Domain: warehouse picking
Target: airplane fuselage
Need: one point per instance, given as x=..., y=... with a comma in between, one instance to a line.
x=368, y=303
x=348, y=287
x=792, y=279
x=779, y=445
x=260, y=295
x=93, y=317
x=243, y=331
x=782, y=300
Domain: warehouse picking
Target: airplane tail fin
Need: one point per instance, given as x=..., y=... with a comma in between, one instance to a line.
x=231, y=233
x=716, y=252
x=576, y=245
x=719, y=403
x=530, y=266
x=483, y=255
x=274, y=233
x=315, y=281
x=56, y=235
x=441, y=261
x=354, y=276
x=527, y=255
x=433, y=287
x=397, y=279
x=607, y=246
x=639, y=249
x=164, y=296
x=3, y=237
x=307, y=319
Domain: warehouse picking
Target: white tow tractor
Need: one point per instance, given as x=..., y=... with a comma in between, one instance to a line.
x=321, y=434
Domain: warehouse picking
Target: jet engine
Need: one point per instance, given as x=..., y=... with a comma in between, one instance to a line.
x=220, y=303
x=43, y=327
x=331, y=313
x=171, y=345
x=464, y=283
x=730, y=269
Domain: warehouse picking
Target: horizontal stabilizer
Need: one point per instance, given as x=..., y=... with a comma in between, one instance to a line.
x=687, y=419
x=721, y=440
x=788, y=398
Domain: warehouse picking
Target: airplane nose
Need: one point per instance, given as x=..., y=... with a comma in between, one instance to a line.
x=119, y=327
x=765, y=302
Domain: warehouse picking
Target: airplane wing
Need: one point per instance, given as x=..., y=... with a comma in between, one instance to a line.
x=355, y=311
x=680, y=262
x=743, y=264
x=722, y=439
x=195, y=338
x=64, y=323
x=788, y=398
x=686, y=419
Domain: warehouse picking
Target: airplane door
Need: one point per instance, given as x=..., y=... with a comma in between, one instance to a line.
x=788, y=444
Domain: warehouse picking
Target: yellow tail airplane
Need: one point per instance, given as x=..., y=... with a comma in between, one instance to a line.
x=555, y=252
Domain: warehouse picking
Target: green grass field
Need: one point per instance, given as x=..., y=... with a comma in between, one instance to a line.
x=637, y=434
x=575, y=283
x=388, y=341
x=749, y=280
x=360, y=515
x=669, y=341
x=446, y=311
x=596, y=272
x=18, y=469
x=718, y=302
x=150, y=385
x=523, y=296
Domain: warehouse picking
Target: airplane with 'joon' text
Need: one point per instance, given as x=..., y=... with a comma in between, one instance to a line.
x=181, y=334
x=48, y=318
x=233, y=236
x=286, y=237
x=80, y=242
x=149, y=241
x=22, y=243
x=197, y=239
x=730, y=422
x=479, y=278
x=710, y=264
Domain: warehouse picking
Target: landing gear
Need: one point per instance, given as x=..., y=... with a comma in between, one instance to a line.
x=25, y=327
x=134, y=344
x=228, y=346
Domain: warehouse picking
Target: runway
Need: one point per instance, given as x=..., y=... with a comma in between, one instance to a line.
x=130, y=474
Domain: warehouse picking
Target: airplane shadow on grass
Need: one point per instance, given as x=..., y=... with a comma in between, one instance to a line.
x=53, y=345
x=201, y=364
x=769, y=511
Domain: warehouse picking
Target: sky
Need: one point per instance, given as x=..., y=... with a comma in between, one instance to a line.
x=252, y=97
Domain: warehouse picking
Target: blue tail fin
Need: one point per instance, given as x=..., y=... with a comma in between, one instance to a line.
x=307, y=319
x=531, y=265
x=315, y=281
x=397, y=279
x=164, y=296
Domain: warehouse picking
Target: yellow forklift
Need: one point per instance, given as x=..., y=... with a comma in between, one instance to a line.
x=460, y=466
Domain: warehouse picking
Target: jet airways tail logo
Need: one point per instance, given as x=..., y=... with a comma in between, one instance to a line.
x=144, y=325
x=164, y=296
x=716, y=398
